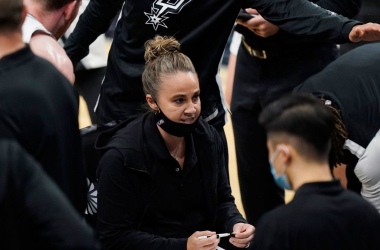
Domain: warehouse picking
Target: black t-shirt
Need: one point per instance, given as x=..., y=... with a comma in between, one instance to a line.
x=201, y=26
x=352, y=83
x=322, y=215
x=38, y=109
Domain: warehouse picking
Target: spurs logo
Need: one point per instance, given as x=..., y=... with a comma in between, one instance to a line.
x=162, y=7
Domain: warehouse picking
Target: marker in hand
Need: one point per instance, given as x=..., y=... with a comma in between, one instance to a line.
x=217, y=236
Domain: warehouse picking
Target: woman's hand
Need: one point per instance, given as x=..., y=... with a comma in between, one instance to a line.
x=193, y=243
x=243, y=235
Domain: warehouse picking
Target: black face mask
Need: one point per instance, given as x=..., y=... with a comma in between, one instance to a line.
x=174, y=128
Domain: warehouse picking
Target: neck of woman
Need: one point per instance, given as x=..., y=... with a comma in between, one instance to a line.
x=172, y=142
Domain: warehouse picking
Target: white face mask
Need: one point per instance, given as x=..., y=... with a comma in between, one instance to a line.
x=280, y=180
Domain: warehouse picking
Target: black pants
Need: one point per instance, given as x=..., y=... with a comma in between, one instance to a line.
x=257, y=83
x=88, y=83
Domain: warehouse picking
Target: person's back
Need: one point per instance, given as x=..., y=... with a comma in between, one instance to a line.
x=39, y=110
x=34, y=213
x=351, y=85
x=322, y=215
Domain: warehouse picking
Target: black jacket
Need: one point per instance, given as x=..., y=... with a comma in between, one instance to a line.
x=126, y=183
x=285, y=43
x=201, y=26
x=34, y=213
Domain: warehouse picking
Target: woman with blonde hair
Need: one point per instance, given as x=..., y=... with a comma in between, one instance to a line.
x=162, y=180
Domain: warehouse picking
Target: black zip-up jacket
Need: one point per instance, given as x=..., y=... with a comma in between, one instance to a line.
x=284, y=43
x=201, y=26
x=126, y=184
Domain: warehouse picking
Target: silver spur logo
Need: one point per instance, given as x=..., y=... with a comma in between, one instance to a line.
x=162, y=7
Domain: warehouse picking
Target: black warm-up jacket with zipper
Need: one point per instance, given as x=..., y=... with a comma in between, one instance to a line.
x=126, y=180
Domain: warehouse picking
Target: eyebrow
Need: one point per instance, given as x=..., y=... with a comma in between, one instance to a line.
x=183, y=95
x=177, y=96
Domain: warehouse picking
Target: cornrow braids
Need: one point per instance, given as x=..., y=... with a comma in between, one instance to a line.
x=339, y=137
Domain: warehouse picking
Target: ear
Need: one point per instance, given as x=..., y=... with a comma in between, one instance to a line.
x=285, y=152
x=152, y=104
x=24, y=13
x=70, y=9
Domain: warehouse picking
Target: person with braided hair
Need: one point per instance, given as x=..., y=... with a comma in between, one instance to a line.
x=350, y=88
x=162, y=180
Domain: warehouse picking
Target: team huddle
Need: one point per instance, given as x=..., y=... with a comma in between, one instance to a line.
x=152, y=171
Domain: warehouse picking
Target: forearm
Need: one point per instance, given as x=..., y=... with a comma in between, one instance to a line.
x=347, y=8
x=300, y=17
x=94, y=21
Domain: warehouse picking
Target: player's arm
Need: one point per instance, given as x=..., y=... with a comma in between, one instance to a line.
x=263, y=28
x=48, y=48
x=347, y=8
x=94, y=21
x=301, y=17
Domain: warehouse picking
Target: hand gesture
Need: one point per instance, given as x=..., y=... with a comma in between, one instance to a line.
x=259, y=25
x=243, y=235
x=367, y=32
x=193, y=243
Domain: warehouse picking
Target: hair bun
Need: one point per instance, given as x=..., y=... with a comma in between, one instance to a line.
x=160, y=46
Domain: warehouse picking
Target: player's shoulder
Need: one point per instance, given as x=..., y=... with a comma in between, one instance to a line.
x=45, y=46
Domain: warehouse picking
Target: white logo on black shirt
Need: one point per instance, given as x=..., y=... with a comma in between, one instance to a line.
x=328, y=11
x=162, y=7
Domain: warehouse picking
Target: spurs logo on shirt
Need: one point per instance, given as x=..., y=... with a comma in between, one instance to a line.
x=162, y=7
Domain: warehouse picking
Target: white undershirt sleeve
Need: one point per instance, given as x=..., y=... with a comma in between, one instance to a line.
x=368, y=172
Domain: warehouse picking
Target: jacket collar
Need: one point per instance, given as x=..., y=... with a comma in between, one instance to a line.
x=326, y=187
x=154, y=139
x=138, y=138
x=157, y=145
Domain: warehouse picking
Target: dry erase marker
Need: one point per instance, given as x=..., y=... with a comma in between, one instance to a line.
x=217, y=236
